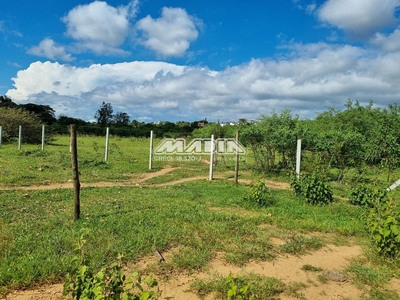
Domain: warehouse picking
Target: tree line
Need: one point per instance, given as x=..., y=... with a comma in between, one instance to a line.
x=349, y=139
x=352, y=138
x=33, y=115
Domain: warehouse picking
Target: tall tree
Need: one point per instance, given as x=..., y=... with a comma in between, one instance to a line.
x=11, y=118
x=104, y=114
x=7, y=102
x=44, y=112
x=65, y=120
x=121, y=119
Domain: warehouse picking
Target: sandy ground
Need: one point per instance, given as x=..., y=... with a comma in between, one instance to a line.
x=286, y=268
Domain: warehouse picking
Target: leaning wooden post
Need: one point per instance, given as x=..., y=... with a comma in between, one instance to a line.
x=75, y=173
x=151, y=151
x=237, y=158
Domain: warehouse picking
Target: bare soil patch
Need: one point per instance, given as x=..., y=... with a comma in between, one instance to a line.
x=287, y=268
x=139, y=180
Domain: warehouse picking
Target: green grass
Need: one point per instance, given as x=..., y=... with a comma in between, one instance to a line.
x=127, y=156
x=31, y=166
x=199, y=218
x=258, y=287
x=311, y=268
x=40, y=232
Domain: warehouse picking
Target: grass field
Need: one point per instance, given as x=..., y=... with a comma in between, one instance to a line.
x=202, y=219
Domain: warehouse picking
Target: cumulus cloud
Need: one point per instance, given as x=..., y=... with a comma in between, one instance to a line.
x=309, y=78
x=390, y=43
x=359, y=18
x=100, y=27
x=169, y=35
x=48, y=49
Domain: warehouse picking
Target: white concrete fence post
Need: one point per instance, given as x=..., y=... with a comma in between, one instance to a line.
x=298, y=158
x=19, y=137
x=211, y=157
x=151, y=151
x=42, y=137
x=107, y=141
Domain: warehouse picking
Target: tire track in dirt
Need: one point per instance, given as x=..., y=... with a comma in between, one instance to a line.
x=141, y=181
x=69, y=185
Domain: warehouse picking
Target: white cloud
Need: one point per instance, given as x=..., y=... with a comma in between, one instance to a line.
x=169, y=35
x=359, y=18
x=100, y=27
x=48, y=49
x=309, y=78
x=390, y=43
x=8, y=31
x=73, y=81
x=333, y=36
x=14, y=64
x=311, y=8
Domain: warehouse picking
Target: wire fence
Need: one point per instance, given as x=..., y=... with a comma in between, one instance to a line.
x=107, y=143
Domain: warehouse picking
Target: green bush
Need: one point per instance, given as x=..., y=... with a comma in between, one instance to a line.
x=361, y=196
x=11, y=118
x=383, y=225
x=296, y=184
x=259, y=194
x=313, y=188
x=110, y=283
x=367, y=197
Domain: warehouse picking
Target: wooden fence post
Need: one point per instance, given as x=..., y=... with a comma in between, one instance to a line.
x=75, y=174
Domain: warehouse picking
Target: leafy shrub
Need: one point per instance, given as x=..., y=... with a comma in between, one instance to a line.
x=317, y=191
x=313, y=188
x=296, y=184
x=238, y=289
x=365, y=196
x=259, y=194
x=110, y=283
x=11, y=118
x=383, y=225
x=243, y=287
x=361, y=196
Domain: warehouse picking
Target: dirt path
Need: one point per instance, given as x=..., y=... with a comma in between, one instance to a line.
x=139, y=181
x=69, y=185
x=287, y=268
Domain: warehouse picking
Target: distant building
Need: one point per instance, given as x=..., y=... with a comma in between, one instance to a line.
x=231, y=123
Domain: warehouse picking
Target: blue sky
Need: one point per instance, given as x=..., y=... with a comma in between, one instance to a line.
x=188, y=60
